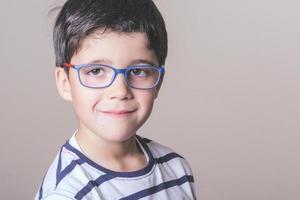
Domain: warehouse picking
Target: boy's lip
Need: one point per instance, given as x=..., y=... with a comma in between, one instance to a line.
x=117, y=112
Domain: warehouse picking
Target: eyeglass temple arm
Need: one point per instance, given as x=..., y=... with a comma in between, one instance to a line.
x=68, y=65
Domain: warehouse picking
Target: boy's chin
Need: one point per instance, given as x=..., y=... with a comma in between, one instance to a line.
x=118, y=132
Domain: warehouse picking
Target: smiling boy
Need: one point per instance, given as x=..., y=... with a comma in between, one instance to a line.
x=110, y=56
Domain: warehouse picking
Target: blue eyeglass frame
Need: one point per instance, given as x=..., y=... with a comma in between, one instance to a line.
x=117, y=71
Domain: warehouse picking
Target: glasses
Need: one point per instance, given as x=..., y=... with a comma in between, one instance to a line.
x=102, y=76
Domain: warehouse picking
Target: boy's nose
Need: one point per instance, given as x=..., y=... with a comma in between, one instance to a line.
x=119, y=88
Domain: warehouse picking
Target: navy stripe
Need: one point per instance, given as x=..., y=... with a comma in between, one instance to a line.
x=68, y=146
x=68, y=170
x=58, y=166
x=92, y=184
x=167, y=157
x=160, y=187
x=146, y=140
x=60, y=174
x=41, y=188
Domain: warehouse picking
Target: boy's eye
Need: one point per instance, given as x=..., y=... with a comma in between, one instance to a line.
x=95, y=71
x=138, y=72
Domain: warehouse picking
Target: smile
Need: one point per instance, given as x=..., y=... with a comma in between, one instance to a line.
x=118, y=113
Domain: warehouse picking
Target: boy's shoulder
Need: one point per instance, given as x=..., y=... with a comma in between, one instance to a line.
x=64, y=163
x=170, y=162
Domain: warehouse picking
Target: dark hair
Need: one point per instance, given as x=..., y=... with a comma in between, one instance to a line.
x=79, y=18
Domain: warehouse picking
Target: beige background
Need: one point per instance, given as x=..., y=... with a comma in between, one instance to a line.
x=230, y=102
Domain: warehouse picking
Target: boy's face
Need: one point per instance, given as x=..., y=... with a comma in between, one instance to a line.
x=116, y=112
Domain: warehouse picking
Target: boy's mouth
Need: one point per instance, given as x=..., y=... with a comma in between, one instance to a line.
x=117, y=113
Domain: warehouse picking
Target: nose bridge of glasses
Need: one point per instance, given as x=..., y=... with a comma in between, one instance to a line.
x=119, y=71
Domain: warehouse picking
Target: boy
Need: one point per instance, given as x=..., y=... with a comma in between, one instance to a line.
x=110, y=56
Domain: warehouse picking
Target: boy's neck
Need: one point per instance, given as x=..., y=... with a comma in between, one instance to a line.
x=117, y=156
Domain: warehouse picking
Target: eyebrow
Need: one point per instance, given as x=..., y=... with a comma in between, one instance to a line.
x=142, y=61
x=100, y=61
x=134, y=62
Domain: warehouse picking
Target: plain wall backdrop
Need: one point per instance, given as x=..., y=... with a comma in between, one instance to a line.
x=230, y=102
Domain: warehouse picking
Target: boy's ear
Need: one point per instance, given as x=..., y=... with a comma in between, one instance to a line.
x=63, y=84
x=156, y=92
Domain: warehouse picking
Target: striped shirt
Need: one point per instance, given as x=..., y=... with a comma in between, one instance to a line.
x=72, y=175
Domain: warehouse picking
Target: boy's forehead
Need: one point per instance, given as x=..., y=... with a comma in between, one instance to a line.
x=108, y=42
x=110, y=36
